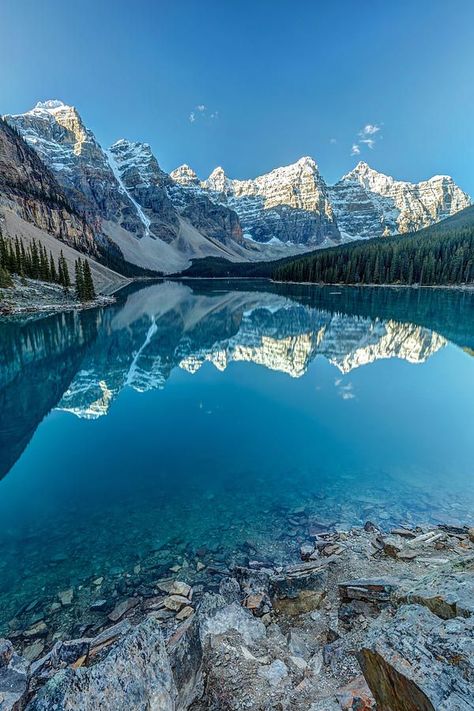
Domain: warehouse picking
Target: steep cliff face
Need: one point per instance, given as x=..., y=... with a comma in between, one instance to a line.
x=60, y=138
x=371, y=204
x=139, y=174
x=289, y=204
x=28, y=188
x=162, y=202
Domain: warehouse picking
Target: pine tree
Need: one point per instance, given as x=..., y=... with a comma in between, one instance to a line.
x=52, y=268
x=79, y=279
x=5, y=279
x=89, y=289
x=63, y=272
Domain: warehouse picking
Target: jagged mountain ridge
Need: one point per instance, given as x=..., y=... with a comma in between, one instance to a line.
x=368, y=203
x=295, y=204
x=162, y=221
x=289, y=204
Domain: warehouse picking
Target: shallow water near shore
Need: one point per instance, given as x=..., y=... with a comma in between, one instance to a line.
x=209, y=415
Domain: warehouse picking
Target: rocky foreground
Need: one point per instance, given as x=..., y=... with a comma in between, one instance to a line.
x=364, y=621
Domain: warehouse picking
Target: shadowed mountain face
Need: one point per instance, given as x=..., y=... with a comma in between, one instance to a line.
x=80, y=362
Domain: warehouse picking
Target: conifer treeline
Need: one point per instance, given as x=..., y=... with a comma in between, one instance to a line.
x=34, y=262
x=441, y=258
x=85, y=290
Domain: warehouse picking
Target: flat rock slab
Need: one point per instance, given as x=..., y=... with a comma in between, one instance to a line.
x=448, y=592
x=369, y=589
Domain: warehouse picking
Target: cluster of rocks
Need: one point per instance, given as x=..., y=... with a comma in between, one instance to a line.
x=354, y=625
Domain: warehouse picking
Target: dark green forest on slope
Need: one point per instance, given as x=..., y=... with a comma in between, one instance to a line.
x=442, y=254
x=439, y=255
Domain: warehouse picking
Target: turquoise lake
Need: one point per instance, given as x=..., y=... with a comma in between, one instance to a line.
x=207, y=414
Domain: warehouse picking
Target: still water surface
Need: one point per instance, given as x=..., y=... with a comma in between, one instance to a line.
x=204, y=414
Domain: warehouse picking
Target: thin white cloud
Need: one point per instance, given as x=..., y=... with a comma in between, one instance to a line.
x=202, y=113
x=333, y=140
x=368, y=137
x=369, y=129
x=345, y=391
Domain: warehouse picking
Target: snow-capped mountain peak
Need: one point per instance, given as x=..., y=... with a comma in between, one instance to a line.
x=50, y=105
x=218, y=181
x=185, y=175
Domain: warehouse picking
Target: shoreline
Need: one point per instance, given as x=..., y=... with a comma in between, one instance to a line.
x=305, y=632
x=462, y=287
x=65, y=303
x=34, y=296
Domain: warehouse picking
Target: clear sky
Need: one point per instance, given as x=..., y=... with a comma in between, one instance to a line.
x=251, y=85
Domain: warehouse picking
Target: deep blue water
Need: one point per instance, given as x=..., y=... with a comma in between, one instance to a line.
x=199, y=414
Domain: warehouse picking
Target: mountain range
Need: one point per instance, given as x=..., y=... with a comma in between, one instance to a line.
x=120, y=207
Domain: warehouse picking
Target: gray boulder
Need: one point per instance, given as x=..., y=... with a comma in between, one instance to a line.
x=417, y=661
x=135, y=675
x=13, y=677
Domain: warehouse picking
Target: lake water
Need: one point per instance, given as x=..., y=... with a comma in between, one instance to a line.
x=201, y=419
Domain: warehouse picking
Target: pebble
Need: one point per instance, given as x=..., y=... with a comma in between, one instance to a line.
x=119, y=610
x=98, y=605
x=180, y=588
x=33, y=651
x=37, y=630
x=175, y=602
x=184, y=613
x=306, y=551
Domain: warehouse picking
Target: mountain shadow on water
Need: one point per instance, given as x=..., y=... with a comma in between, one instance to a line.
x=38, y=359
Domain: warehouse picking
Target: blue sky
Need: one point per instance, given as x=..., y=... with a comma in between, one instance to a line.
x=278, y=79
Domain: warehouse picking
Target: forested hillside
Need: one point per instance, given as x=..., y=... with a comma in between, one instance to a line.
x=441, y=254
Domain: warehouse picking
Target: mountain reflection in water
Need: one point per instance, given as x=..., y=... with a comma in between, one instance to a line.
x=80, y=362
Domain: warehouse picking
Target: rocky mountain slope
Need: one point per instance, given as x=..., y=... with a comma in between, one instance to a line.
x=289, y=204
x=29, y=189
x=293, y=204
x=33, y=205
x=370, y=204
